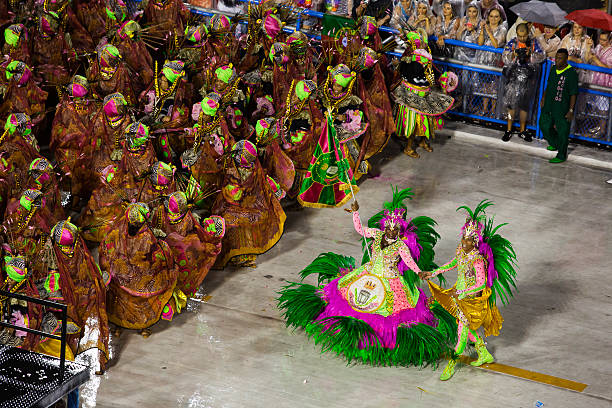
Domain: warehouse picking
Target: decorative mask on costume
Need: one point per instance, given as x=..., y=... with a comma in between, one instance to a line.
x=226, y=74
x=244, y=153
x=64, y=234
x=342, y=75
x=173, y=70
x=220, y=22
x=32, y=199
x=366, y=59
x=271, y=26
x=161, y=175
x=78, y=88
x=196, y=34
x=48, y=24
x=18, y=122
x=116, y=10
x=108, y=59
x=297, y=42
x=129, y=29
x=210, y=104
x=136, y=137
x=114, y=106
x=265, y=131
x=12, y=34
x=214, y=225
x=137, y=214
x=304, y=88
x=18, y=72
x=177, y=206
x=40, y=170
x=448, y=81
x=367, y=27
x=279, y=53
x=15, y=267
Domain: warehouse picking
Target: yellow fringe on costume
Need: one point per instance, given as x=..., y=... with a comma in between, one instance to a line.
x=52, y=347
x=477, y=310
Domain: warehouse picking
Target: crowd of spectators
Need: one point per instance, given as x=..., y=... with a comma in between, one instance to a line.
x=485, y=23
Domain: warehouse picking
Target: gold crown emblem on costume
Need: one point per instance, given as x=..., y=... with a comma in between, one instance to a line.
x=370, y=285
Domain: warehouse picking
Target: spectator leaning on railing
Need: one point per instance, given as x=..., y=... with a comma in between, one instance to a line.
x=521, y=56
x=557, y=103
x=446, y=27
x=575, y=43
x=492, y=34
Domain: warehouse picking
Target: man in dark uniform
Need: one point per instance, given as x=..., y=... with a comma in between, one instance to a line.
x=557, y=105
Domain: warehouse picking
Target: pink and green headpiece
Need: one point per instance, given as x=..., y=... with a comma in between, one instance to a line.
x=64, y=233
x=421, y=56
x=173, y=70
x=342, y=75
x=137, y=213
x=19, y=72
x=114, y=105
x=304, y=88
x=32, y=199
x=244, y=153
x=128, y=29
x=226, y=73
x=298, y=42
x=210, y=103
x=18, y=122
x=279, y=53
x=214, y=225
x=40, y=170
x=108, y=56
x=367, y=27
x=265, y=130
x=13, y=34
x=15, y=267
x=366, y=58
x=196, y=33
x=177, y=206
x=78, y=88
x=220, y=22
x=136, y=136
x=272, y=26
x=49, y=23
x=161, y=174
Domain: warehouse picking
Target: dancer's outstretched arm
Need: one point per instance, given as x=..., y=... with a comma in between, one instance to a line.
x=404, y=253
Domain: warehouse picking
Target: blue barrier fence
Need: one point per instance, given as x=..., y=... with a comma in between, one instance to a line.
x=481, y=87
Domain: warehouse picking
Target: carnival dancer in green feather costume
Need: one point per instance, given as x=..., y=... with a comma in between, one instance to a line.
x=375, y=313
x=485, y=263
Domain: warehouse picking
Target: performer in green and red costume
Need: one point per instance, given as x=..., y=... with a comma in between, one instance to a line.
x=329, y=181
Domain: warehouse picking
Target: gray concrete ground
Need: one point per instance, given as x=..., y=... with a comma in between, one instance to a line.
x=234, y=350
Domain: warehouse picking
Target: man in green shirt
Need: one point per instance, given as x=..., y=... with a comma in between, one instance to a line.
x=557, y=105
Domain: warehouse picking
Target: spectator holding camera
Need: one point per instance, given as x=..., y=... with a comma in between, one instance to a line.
x=521, y=56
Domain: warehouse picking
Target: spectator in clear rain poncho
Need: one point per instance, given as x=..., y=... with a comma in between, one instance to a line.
x=521, y=57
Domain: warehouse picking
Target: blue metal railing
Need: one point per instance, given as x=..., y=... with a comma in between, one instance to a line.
x=586, y=90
